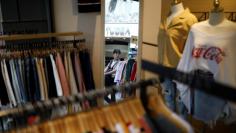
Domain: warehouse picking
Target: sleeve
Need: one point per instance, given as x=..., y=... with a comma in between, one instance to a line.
x=185, y=66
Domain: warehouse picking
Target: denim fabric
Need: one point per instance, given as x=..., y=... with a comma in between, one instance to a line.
x=36, y=80
x=87, y=70
x=205, y=107
x=20, y=82
x=15, y=82
x=181, y=108
x=27, y=67
x=169, y=94
x=172, y=99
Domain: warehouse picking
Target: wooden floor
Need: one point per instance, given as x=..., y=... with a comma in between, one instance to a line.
x=200, y=127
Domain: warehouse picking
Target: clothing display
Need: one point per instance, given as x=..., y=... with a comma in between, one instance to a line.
x=126, y=71
x=210, y=54
x=125, y=117
x=136, y=67
x=32, y=79
x=171, y=40
x=62, y=75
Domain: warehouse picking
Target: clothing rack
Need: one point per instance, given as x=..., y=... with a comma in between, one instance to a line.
x=38, y=36
x=30, y=41
x=61, y=101
x=40, y=44
x=197, y=82
x=43, y=106
x=210, y=87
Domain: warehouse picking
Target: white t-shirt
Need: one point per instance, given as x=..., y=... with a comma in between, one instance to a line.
x=113, y=65
x=210, y=48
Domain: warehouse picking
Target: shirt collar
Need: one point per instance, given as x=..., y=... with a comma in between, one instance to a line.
x=182, y=15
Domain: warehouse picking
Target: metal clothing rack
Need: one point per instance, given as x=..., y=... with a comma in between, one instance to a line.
x=61, y=101
x=11, y=40
x=42, y=107
x=201, y=83
x=197, y=82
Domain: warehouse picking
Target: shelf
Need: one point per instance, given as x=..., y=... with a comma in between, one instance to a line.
x=38, y=36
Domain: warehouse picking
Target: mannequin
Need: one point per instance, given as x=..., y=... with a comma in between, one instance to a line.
x=216, y=14
x=217, y=21
x=210, y=52
x=176, y=8
x=171, y=39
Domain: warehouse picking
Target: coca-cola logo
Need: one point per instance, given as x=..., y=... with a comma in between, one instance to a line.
x=209, y=53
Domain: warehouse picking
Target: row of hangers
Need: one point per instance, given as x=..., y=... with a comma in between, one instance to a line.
x=41, y=49
x=11, y=46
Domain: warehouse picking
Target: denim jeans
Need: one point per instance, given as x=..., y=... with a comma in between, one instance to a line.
x=204, y=106
x=172, y=99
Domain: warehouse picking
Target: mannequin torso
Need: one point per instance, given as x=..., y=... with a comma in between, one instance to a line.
x=217, y=22
x=216, y=18
x=175, y=11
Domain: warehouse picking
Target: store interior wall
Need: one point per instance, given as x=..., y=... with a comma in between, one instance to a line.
x=200, y=5
x=67, y=19
x=150, y=26
x=156, y=10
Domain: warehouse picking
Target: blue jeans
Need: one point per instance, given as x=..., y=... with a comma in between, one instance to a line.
x=172, y=99
x=204, y=106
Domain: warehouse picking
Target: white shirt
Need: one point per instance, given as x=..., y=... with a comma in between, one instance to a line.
x=210, y=48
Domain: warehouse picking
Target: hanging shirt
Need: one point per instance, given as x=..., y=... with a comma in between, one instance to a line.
x=119, y=71
x=133, y=72
x=15, y=84
x=45, y=86
x=210, y=52
x=62, y=75
x=129, y=67
x=73, y=86
x=57, y=79
x=112, y=65
x=40, y=78
x=172, y=37
x=6, y=78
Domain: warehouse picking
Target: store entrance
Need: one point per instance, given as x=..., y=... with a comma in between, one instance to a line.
x=121, y=41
